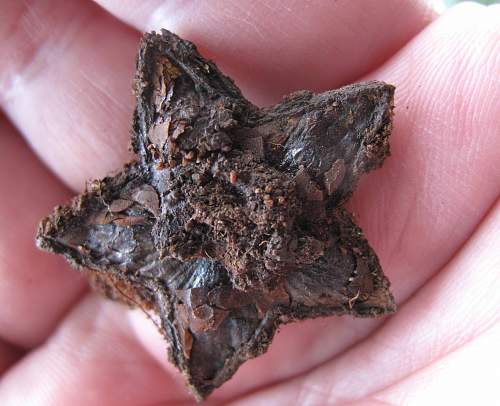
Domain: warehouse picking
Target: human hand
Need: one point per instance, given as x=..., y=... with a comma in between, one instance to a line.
x=432, y=213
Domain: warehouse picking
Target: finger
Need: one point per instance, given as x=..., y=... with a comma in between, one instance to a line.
x=449, y=381
x=65, y=82
x=443, y=175
x=456, y=310
x=272, y=50
x=409, y=208
x=35, y=289
x=90, y=360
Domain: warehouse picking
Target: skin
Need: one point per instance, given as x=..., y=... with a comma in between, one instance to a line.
x=432, y=212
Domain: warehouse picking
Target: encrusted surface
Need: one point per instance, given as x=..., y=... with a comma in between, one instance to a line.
x=231, y=221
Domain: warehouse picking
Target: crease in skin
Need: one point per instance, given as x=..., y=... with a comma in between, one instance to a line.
x=9, y=355
x=106, y=97
x=401, y=235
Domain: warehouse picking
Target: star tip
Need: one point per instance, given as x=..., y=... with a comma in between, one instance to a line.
x=44, y=243
x=200, y=392
x=389, y=307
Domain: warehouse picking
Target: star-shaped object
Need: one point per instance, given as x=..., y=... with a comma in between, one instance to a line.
x=231, y=221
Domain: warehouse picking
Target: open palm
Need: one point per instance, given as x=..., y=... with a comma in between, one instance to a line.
x=432, y=212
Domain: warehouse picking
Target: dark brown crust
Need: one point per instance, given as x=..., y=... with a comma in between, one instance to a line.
x=231, y=221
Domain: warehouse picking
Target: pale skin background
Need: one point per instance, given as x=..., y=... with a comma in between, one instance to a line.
x=432, y=212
